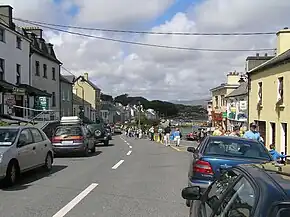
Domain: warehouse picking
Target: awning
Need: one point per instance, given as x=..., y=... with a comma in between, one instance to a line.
x=33, y=91
x=5, y=86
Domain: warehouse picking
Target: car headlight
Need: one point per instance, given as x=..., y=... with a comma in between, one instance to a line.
x=1, y=157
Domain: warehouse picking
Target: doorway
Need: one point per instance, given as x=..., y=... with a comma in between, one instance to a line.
x=284, y=137
x=19, y=102
x=262, y=130
x=273, y=133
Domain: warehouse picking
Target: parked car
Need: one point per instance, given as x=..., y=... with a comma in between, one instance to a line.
x=100, y=133
x=72, y=136
x=215, y=153
x=117, y=129
x=23, y=148
x=252, y=190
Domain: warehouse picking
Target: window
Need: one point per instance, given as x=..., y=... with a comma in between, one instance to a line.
x=68, y=95
x=44, y=70
x=37, y=71
x=18, y=74
x=239, y=201
x=63, y=96
x=26, y=136
x=216, y=101
x=280, y=90
x=18, y=42
x=2, y=69
x=222, y=100
x=260, y=92
x=36, y=135
x=273, y=133
x=53, y=99
x=2, y=35
x=215, y=192
x=53, y=73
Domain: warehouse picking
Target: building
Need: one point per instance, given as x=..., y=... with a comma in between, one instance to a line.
x=254, y=61
x=108, y=111
x=87, y=90
x=237, y=106
x=66, y=105
x=15, y=86
x=80, y=105
x=219, y=106
x=150, y=114
x=269, y=97
x=45, y=71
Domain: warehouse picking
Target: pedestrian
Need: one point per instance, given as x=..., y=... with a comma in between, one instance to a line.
x=218, y=131
x=253, y=133
x=151, y=131
x=236, y=132
x=177, y=137
x=275, y=154
x=167, y=132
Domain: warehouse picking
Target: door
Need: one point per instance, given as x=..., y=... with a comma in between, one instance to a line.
x=41, y=146
x=19, y=102
x=262, y=130
x=26, y=150
x=284, y=137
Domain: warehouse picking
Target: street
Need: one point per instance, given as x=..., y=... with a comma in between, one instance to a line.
x=129, y=178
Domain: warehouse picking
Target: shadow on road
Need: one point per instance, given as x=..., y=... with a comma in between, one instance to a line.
x=102, y=145
x=27, y=178
x=77, y=155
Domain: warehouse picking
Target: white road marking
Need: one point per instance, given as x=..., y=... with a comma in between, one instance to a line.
x=117, y=164
x=62, y=212
x=130, y=146
x=129, y=152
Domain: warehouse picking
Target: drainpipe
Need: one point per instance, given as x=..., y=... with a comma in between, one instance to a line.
x=248, y=98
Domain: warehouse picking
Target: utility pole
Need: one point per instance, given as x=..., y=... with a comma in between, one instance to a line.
x=139, y=115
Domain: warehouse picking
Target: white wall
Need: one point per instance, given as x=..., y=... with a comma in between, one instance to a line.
x=13, y=56
x=46, y=83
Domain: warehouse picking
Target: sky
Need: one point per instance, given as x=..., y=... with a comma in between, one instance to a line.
x=157, y=73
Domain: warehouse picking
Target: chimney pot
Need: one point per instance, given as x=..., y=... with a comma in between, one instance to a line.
x=257, y=54
x=266, y=54
x=286, y=27
x=86, y=76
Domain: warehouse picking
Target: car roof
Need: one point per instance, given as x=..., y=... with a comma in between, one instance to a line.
x=264, y=172
x=16, y=127
x=231, y=138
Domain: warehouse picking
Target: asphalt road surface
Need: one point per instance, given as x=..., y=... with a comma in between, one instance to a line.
x=129, y=178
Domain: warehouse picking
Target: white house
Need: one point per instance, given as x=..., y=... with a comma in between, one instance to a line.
x=14, y=65
x=45, y=72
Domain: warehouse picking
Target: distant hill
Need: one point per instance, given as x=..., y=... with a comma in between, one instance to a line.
x=191, y=102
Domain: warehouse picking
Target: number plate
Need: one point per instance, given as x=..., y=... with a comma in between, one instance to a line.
x=67, y=142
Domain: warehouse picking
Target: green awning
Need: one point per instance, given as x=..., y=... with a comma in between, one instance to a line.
x=33, y=91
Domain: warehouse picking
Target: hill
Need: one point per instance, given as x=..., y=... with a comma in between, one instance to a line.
x=202, y=102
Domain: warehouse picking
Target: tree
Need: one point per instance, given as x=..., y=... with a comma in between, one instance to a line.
x=107, y=98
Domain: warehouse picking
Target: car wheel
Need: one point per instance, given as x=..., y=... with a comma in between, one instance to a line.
x=48, y=162
x=98, y=133
x=106, y=142
x=93, y=150
x=86, y=152
x=12, y=174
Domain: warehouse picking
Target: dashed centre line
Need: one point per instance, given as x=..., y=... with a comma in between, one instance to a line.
x=62, y=212
x=117, y=164
x=129, y=152
x=130, y=146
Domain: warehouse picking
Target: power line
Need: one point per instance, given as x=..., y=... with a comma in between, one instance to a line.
x=150, y=32
x=146, y=44
x=65, y=69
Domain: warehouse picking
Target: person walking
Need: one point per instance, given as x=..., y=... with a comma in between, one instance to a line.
x=151, y=131
x=167, y=132
x=177, y=137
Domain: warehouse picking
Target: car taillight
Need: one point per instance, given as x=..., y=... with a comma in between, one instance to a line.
x=203, y=167
x=78, y=139
x=56, y=140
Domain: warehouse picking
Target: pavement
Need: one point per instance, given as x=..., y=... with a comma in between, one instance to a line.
x=130, y=178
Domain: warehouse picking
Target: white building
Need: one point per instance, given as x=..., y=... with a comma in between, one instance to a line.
x=45, y=72
x=14, y=64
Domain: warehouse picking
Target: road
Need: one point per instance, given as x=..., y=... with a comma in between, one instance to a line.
x=129, y=178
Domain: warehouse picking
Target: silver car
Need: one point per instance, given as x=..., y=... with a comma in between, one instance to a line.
x=23, y=148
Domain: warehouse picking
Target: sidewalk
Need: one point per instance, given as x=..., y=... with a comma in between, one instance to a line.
x=183, y=145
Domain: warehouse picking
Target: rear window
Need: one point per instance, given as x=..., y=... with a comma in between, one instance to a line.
x=232, y=147
x=68, y=131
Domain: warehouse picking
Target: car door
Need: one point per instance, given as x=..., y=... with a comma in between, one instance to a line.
x=26, y=150
x=213, y=195
x=40, y=145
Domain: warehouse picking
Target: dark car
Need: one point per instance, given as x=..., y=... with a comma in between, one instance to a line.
x=221, y=152
x=252, y=190
x=100, y=132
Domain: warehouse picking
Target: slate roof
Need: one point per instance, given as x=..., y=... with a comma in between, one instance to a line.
x=278, y=60
x=241, y=90
x=89, y=82
x=65, y=80
x=70, y=78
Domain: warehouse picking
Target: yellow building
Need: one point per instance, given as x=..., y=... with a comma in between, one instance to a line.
x=219, y=105
x=87, y=90
x=269, y=97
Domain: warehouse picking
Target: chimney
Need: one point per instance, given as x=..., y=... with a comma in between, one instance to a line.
x=40, y=42
x=86, y=76
x=233, y=78
x=283, y=40
x=6, y=16
x=35, y=30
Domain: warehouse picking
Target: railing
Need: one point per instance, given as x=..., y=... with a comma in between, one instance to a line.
x=34, y=115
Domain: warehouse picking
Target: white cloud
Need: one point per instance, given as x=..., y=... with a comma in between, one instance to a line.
x=156, y=72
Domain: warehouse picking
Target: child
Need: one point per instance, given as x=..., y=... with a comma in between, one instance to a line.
x=275, y=154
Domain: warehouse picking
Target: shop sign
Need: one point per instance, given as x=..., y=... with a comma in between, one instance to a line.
x=43, y=102
x=224, y=115
x=243, y=105
x=18, y=91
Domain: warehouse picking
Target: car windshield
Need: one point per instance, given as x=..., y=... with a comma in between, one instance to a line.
x=7, y=136
x=68, y=131
x=233, y=147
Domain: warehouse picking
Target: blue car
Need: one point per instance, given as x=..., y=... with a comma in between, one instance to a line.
x=217, y=153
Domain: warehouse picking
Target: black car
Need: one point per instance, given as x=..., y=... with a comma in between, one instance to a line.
x=252, y=190
x=100, y=132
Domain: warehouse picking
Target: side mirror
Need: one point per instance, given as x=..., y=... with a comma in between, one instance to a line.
x=191, y=149
x=191, y=193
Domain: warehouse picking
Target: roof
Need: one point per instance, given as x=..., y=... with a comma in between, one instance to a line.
x=283, y=58
x=279, y=173
x=44, y=53
x=63, y=79
x=225, y=85
x=69, y=78
x=241, y=90
x=88, y=81
x=4, y=85
x=79, y=101
x=33, y=91
x=259, y=57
